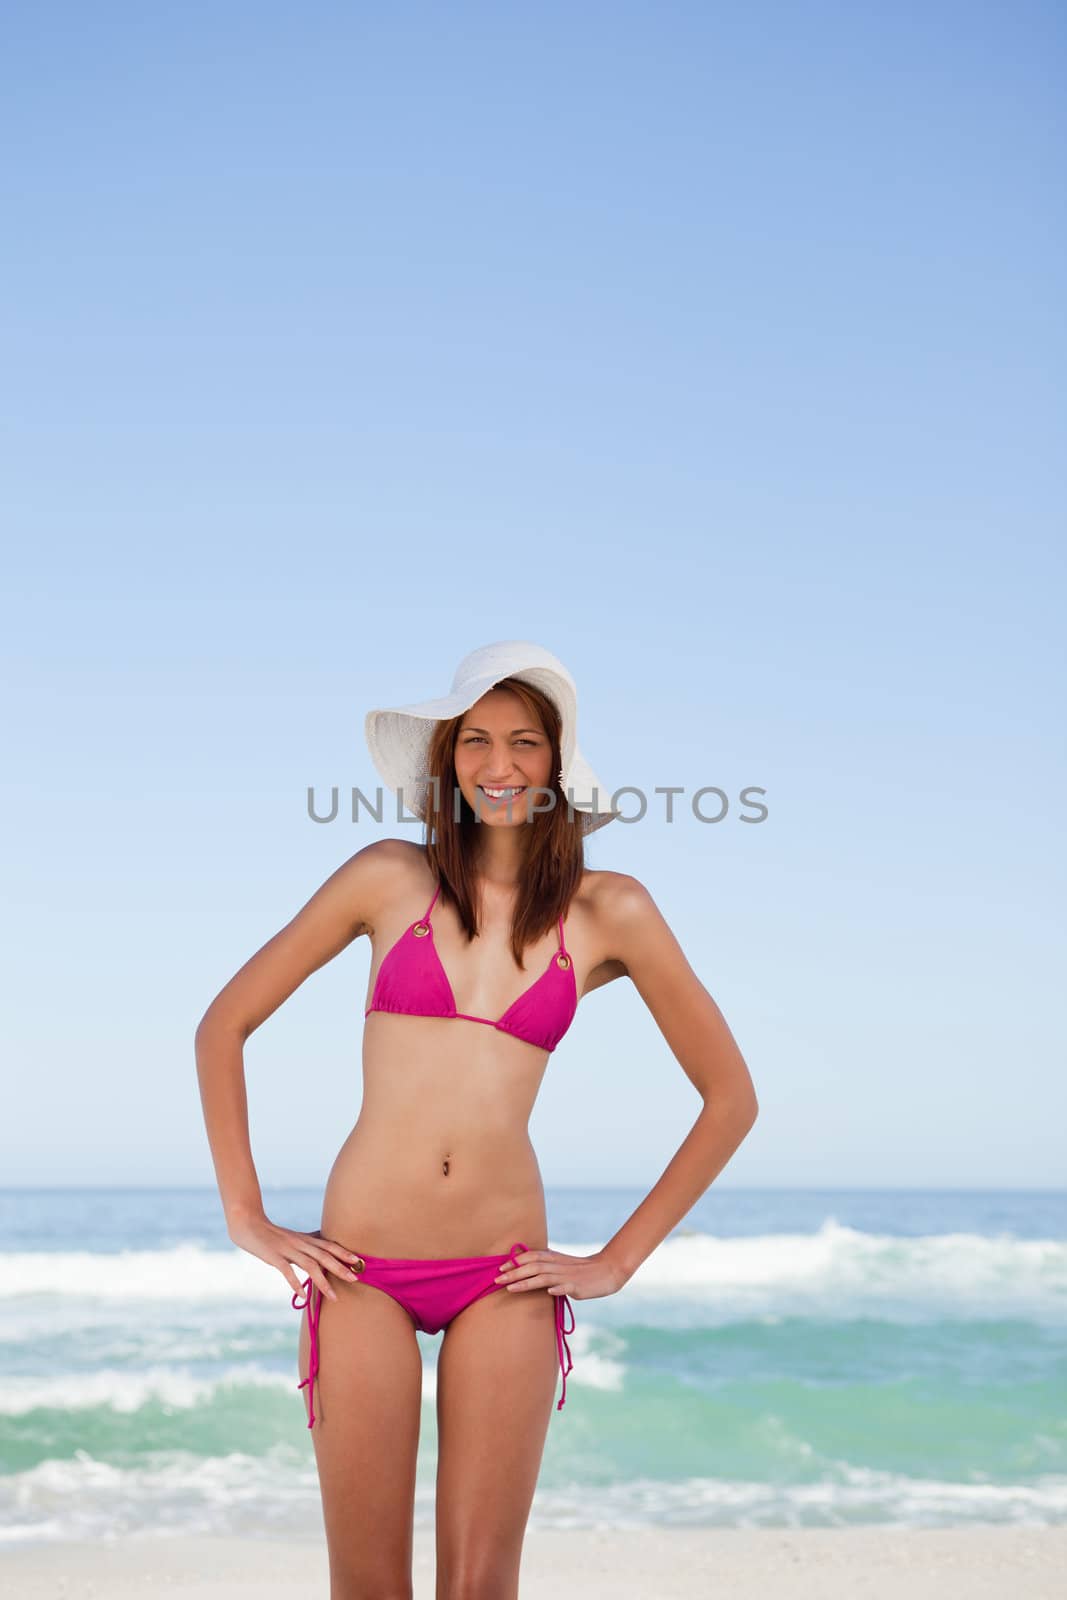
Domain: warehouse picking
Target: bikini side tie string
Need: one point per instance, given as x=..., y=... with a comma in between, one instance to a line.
x=562, y=1304
x=561, y=1341
x=314, y=1312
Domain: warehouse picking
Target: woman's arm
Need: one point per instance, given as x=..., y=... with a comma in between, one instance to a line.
x=342, y=908
x=643, y=946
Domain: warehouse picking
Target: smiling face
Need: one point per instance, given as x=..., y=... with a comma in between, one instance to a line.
x=501, y=753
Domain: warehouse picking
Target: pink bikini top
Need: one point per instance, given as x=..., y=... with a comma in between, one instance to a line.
x=412, y=981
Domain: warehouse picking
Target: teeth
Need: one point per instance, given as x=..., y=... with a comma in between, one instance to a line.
x=498, y=794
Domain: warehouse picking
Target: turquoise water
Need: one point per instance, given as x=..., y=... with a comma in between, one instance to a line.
x=784, y=1358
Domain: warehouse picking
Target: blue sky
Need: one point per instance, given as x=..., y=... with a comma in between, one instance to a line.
x=719, y=349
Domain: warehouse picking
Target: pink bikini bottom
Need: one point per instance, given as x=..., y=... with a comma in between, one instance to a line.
x=432, y=1291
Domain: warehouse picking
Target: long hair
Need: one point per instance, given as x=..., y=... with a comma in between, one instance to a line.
x=554, y=859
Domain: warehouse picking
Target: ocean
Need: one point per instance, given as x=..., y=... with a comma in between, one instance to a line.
x=785, y=1358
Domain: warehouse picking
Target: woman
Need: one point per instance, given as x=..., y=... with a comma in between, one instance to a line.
x=482, y=939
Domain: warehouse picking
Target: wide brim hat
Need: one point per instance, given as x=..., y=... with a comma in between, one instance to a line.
x=398, y=737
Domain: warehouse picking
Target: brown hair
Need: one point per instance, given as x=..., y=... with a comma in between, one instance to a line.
x=554, y=859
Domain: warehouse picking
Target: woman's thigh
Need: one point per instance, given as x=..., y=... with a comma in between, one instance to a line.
x=368, y=1401
x=497, y=1371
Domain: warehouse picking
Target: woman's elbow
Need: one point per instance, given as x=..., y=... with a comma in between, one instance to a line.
x=738, y=1100
x=219, y=1021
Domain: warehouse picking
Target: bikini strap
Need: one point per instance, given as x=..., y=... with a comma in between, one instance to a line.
x=562, y=947
x=426, y=914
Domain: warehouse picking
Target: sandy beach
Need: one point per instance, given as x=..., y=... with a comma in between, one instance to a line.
x=964, y=1563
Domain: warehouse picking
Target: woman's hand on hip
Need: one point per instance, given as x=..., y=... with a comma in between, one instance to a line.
x=279, y=1247
x=582, y=1277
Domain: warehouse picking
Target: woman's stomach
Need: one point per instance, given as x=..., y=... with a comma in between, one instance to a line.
x=440, y=1161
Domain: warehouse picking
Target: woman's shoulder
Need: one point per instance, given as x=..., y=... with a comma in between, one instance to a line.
x=384, y=871
x=610, y=899
x=399, y=864
x=610, y=889
x=612, y=912
x=400, y=852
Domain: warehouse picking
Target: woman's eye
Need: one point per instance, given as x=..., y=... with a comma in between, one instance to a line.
x=477, y=738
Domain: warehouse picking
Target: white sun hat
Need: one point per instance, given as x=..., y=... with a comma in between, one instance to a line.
x=399, y=737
